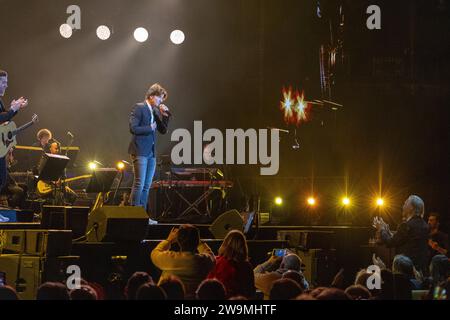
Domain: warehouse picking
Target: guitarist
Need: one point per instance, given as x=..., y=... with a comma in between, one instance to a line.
x=54, y=147
x=5, y=116
x=45, y=138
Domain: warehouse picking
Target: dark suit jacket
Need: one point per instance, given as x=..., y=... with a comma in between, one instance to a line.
x=5, y=115
x=143, y=137
x=411, y=239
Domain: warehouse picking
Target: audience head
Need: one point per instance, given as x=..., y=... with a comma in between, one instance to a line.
x=188, y=238
x=333, y=294
x=52, y=291
x=149, y=291
x=404, y=265
x=238, y=298
x=361, y=277
x=85, y=292
x=315, y=292
x=173, y=287
x=297, y=276
x=135, y=281
x=234, y=246
x=439, y=268
x=291, y=261
x=357, y=292
x=211, y=289
x=8, y=293
x=305, y=296
x=285, y=289
x=361, y=280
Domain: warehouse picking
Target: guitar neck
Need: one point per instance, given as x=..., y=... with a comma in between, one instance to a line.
x=21, y=128
x=78, y=178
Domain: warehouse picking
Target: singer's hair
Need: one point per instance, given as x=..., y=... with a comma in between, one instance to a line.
x=156, y=90
x=3, y=73
x=43, y=133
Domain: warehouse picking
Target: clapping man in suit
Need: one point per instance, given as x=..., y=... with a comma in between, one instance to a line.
x=5, y=116
x=411, y=238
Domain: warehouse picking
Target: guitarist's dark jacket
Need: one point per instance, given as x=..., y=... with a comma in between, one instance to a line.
x=4, y=116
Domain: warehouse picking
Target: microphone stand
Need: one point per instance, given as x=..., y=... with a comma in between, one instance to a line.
x=63, y=184
x=118, y=186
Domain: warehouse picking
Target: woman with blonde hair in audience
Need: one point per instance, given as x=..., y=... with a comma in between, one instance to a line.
x=233, y=268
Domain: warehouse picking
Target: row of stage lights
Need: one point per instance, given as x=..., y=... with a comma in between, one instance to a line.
x=140, y=34
x=93, y=165
x=345, y=201
x=310, y=201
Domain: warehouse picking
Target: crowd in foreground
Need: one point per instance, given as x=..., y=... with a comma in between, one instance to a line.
x=190, y=270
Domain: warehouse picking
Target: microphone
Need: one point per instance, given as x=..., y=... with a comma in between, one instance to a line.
x=70, y=134
x=167, y=109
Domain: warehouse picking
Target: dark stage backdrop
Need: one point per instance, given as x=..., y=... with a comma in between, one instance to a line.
x=229, y=73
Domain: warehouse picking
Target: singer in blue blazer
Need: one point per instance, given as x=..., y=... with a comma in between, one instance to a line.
x=145, y=118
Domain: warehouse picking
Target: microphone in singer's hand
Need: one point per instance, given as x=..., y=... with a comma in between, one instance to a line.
x=165, y=109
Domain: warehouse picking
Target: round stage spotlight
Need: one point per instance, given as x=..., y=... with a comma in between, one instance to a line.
x=103, y=32
x=311, y=201
x=278, y=201
x=65, y=30
x=345, y=201
x=177, y=37
x=92, y=165
x=120, y=165
x=141, y=34
x=380, y=202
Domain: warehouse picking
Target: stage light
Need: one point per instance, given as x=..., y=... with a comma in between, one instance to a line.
x=380, y=202
x=141, y=34
x=92, y=165
x=103, y=32
x=311, y=201
x=120, y=165
x=278, y=201
x=65, y=30
x=345, y=201
x=177, y=37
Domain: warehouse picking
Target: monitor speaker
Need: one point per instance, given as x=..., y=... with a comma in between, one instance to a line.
x=115, y=224
x=227, y=221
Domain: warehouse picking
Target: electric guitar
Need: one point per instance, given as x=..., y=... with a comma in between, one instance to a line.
x=8, y=132
x=43, y=188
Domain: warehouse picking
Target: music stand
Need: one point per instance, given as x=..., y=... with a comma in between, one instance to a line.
x=52, y=167
x=72, y=153
x=101, y=183
x=102, y=180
